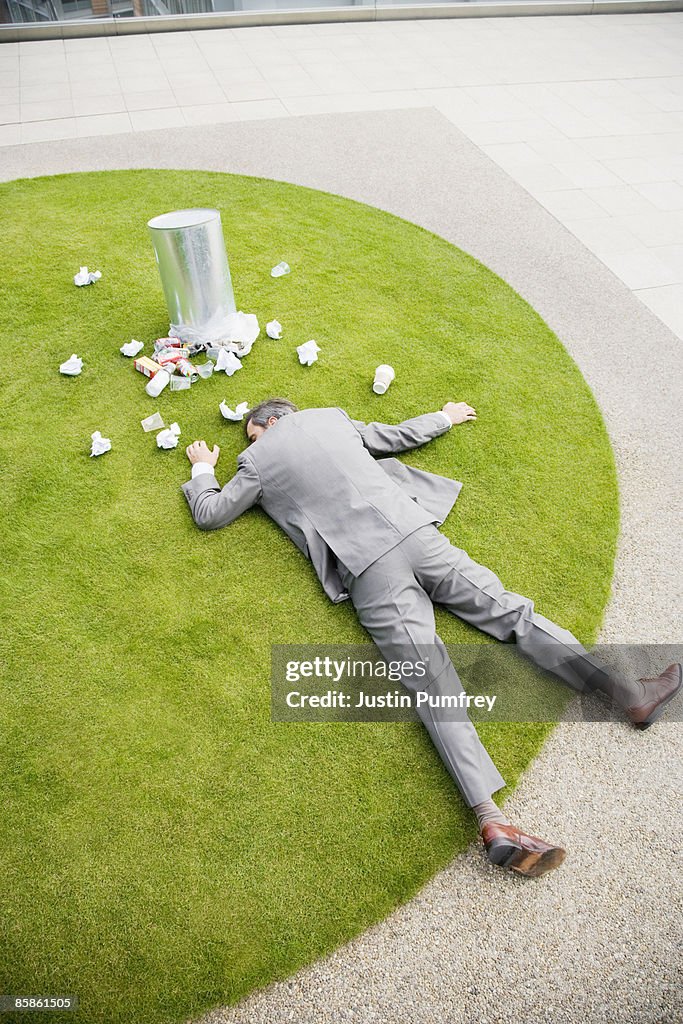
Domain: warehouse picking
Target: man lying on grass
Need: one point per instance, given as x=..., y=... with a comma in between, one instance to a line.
x=369, y=526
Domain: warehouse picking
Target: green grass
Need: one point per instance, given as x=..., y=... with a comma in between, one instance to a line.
x=165, y=847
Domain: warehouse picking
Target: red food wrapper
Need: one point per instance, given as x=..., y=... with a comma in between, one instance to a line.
x=169, y=343
x=163, y=358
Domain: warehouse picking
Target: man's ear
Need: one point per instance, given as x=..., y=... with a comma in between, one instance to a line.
x=272, y=420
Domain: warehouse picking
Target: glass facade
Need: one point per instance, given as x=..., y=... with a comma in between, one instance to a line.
x=18, y=11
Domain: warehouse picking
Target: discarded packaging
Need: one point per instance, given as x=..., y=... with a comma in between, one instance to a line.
x=170, y=355
x=100, y=444
x=235, y=414
x=187, y=369
x=168, y=438
x=228, y=361
x=205, y=370
x=72, y=367
x=238, y=332
x=274, y=330
x=180, y=383
x=384, y=375
x=153, y=422
x=241, y=330
x=147, y=366
x=157, y=384
x=87, y=277
x=280, y=270
x=240, y=348
x=308, y=352
x=131, y=348
x=162, y=343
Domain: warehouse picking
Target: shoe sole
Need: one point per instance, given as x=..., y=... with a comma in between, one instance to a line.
x=533, y=865
x=661, y=708
x=505, y=854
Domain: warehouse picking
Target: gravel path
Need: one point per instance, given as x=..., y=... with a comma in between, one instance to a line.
x=598, y=941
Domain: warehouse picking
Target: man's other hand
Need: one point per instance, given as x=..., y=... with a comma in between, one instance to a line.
x=459, y=412
x=199, y=451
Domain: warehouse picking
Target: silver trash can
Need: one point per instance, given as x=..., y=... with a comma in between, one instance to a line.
x=195, y=276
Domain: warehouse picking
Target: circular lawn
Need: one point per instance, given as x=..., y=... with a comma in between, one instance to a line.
x=165, y=846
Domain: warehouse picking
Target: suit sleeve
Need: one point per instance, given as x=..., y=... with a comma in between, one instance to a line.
x=387, y=439
x=212, y=506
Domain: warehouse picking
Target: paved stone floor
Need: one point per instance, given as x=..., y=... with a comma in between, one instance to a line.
x=598, y=941
x=585, y=112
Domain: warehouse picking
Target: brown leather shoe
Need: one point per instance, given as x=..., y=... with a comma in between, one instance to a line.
x=509, y=848
x=657, y=693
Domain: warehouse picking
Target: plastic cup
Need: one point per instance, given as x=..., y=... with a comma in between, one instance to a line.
x=384, y=375
x=158, y=383
x=153, y=422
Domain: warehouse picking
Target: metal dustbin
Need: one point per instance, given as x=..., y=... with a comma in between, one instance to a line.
x=195, y=277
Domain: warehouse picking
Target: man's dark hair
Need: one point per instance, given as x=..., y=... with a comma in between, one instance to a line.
x=277, y=407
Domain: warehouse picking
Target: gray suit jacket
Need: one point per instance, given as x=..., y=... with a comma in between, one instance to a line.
x=313, y=472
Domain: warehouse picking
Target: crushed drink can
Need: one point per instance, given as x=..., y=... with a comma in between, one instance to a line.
x=187, y=369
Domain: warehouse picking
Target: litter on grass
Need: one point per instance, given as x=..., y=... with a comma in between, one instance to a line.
x=147, y=366
x=237, y=332
x=170, y=360
x=228, y=361
x=72, y=367
x=308, y=352
x=176, y=359
x=384, y=375
x=168, y=438
x=235, y=414
x=131, y=348
x=241, y=331
x=274, y=330
x=280, y=270
x=157, y=383
x=85, y=276
x=153, y=422
x=100, y=444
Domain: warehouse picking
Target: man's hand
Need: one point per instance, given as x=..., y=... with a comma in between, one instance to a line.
x=459, y=412
x=199, y=451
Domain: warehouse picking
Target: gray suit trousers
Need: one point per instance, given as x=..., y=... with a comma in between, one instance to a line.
x=394, y=600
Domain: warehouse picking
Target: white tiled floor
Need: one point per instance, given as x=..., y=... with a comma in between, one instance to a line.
x=586, y=113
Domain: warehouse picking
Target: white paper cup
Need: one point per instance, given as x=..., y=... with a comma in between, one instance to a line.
x=384, y=375
x=157, y=383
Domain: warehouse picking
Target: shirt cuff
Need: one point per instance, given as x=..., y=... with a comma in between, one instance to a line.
x=446, y=418
x=202, y=467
